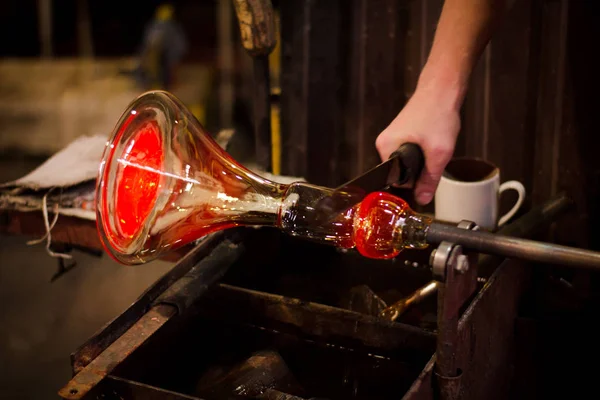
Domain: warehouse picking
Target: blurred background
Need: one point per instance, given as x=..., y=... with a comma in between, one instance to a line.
x=68, y=68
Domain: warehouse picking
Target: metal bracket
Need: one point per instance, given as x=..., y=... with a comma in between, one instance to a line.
x=458, y=276
x=448, y=255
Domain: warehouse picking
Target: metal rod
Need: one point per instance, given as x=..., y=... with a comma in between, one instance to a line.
x=391, y=313
x=506, y=246
x=529, y=223
x=537, y=217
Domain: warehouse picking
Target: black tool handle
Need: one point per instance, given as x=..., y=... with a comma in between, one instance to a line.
x=412, y=161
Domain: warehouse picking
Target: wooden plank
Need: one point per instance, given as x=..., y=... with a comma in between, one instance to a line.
x=500, y=107
x=71, y=231
x=77, y=232
x=549, y=94
x=310, y=83
x=347, y=72
x=581, y=117
x=509, y=136
x=376, y=92
x=419, y=22
x=323, y=80
x=578, y=169
x=294, y=56
x=414, y=60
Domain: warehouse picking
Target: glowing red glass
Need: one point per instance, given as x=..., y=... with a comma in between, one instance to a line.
x=164, y=182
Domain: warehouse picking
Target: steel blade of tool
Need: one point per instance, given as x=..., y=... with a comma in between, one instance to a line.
x=376, y=178
x=353, y=192
x=403, y=167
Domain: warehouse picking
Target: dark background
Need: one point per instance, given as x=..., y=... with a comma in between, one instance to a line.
x=117, y=27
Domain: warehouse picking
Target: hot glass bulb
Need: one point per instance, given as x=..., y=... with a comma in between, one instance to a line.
x=164, y=182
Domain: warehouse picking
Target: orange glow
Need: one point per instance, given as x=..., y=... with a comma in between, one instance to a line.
x=376, y=230
x=138, y=179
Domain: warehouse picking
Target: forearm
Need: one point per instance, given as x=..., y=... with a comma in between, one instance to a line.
x=463, y=31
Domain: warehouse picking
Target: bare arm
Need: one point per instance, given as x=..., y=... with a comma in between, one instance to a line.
x=431, y=117
x=464, y=29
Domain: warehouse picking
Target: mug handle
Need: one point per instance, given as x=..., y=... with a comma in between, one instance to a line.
x=515, y=185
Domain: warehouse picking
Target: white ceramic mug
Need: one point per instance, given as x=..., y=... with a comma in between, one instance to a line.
x=470, y=190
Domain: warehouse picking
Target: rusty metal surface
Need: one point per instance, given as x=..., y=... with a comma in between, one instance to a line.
x=114, y=329
x=485, y=336
x=316, y=320
x=487, y=333
x=448, y=387
x=485, y=339
x=175, y=299
x=458, y=274
x=118, y=351
x=453, y=295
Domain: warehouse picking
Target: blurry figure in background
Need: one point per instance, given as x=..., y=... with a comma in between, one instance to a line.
x=163, y=46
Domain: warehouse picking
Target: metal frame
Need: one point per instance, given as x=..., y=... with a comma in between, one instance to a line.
x=457, y=273
x=463, y=315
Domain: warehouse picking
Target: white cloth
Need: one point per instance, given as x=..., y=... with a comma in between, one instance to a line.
x=76, y=163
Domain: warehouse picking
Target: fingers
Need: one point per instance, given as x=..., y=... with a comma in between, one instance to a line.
x=385, y=145
x=435, y=163
x=435, y=133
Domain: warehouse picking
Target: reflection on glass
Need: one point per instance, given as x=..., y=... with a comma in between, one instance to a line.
x=164, y=182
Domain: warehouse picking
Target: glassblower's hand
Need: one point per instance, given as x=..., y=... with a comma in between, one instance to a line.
x=433, y=124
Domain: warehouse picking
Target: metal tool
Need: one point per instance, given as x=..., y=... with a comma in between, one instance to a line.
x=405, y=166
x=511, y=247
x=257, y=29
x=402, y=169
x=391, y=313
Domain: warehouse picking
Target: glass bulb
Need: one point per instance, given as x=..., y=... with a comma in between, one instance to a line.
x=164, y=182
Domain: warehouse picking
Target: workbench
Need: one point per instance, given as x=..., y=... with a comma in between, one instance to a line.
x=69, y=233
x=298, y=322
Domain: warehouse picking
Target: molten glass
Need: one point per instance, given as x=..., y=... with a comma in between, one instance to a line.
x=164, y=182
